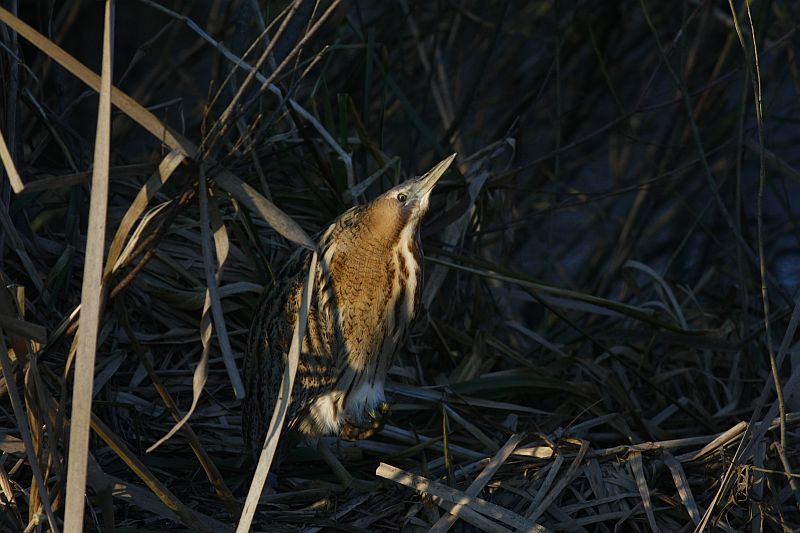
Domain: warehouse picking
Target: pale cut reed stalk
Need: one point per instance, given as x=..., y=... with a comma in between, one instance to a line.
x=91, y=294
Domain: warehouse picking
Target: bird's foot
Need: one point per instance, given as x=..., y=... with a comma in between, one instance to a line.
x=377, y=418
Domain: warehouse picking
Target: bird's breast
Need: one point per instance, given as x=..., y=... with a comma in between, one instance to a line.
x=373, y=290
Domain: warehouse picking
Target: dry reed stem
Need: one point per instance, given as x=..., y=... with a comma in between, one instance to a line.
x=25, y=431
x=212, y=282
x=24, y=329
x=641, y=483
x=164, y=171
x=228, y=181
x=436, y=489
x=282, y=405
x=538, y=507
x=189, y=518
x=91, y=295
x=10, y=167
x=682, y=484
x=62, y=181
x=145, y=499
x=446, y=522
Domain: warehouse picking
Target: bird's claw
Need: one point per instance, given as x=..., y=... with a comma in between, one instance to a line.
x=376, y=422
x=379, y=413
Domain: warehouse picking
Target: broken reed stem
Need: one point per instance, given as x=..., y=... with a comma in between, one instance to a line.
x=434, y=488
x=446, y=522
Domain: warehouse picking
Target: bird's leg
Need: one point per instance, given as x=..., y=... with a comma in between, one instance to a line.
x=345, y=477
x=376, y=422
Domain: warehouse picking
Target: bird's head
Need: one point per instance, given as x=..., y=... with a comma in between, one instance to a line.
x=402, y=207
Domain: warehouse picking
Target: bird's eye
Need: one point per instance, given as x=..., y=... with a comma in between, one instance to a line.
x=402, y=196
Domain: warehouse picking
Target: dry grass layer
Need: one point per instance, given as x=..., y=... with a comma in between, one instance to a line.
x=611, y=271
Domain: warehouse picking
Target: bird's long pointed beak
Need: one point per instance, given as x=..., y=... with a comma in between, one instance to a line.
x=428, y=181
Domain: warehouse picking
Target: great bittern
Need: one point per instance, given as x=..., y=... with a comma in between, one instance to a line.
x=366, y=294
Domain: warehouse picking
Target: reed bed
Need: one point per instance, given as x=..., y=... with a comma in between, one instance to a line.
x=608, y=339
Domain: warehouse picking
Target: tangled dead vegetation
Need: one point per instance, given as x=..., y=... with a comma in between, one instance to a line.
x=609, y=333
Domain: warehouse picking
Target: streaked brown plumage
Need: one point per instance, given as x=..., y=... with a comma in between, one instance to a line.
x=366, y=294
